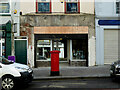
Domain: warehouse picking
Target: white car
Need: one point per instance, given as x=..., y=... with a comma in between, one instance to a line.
x=12, y=72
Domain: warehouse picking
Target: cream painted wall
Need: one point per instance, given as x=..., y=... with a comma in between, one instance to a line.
x=87, y=6
x=57, y=6
x=29, y=6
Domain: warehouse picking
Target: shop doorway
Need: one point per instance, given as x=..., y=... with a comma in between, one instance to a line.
x=61, y=45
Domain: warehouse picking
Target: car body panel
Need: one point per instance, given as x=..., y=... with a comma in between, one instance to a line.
x=9, y=70
x=115, y=69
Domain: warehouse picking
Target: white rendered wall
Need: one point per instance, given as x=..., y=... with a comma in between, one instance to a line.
x=27, y=6
x=91, y=50
x=87, y=6
x=57, y=6
x=105, y=8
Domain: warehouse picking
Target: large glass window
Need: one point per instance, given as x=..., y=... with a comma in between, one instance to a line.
x=118, y=7
x=71, y=7
x=43, y=7
x=4, y=8
x=79, y=49
x=43, y=50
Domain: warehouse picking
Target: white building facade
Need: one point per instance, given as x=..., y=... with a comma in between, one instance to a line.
x=7, y=8
x=107, y=24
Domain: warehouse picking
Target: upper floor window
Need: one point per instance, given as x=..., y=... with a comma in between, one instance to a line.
x=118, y=7
x=72, y=6
x=4, y=8
x=43, y=6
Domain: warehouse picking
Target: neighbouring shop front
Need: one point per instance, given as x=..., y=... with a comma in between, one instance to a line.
x=5, y=44
x=5, y=39
x=107, y=41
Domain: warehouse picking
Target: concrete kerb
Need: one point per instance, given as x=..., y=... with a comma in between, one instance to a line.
x=67, y=77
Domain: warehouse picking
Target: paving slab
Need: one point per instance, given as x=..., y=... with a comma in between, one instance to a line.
x=73, y=72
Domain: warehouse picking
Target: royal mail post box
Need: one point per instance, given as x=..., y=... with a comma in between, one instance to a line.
x=55, y=63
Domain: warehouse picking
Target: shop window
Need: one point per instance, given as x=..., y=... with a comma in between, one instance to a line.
x=79, y=49
x=118, y=7
x=72, y=6
x=4, y=8
x=43, y=50
x=43, y=6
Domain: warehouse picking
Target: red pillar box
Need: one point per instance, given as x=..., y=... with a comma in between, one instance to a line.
x=55, y=63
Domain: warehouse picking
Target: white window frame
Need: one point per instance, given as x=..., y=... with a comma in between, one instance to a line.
x=6, y=1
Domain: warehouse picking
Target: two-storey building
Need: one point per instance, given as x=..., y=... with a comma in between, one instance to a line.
x=7, y=15
x=64, y=25
x=107, y=31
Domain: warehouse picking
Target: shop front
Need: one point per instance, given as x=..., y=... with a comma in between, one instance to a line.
x=73, y=46
x=107, y=41
x=73, y=35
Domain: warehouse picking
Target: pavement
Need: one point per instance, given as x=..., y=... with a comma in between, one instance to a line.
x=43, y=73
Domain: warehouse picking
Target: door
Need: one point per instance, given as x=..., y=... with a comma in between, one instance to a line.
x=21, y=51
x=61, y=45
x=110, y=46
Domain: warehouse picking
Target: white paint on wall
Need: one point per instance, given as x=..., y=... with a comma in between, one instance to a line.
x=71, y=54
x=57, y=6
x=87, y=6
x=30, y=53
x=91, y=50
x=105, y=8
x=99, y=46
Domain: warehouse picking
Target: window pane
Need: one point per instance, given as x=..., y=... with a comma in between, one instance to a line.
x=117, y=7
x=43, y=7
x=4, y=8
x=43, y=50
x=71, y=7
x=79, y=49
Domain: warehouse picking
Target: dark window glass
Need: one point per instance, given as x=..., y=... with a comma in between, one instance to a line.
x=4, y=8
x=43, y=7
x=118, y=7
x=79, y=49
x=71, y=7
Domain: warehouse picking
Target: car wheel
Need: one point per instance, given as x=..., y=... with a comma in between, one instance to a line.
x=8, y=83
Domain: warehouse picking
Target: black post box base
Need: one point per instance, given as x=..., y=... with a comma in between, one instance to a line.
x=54, y=73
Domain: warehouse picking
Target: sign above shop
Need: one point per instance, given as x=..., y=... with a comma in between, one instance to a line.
x=109, y=22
